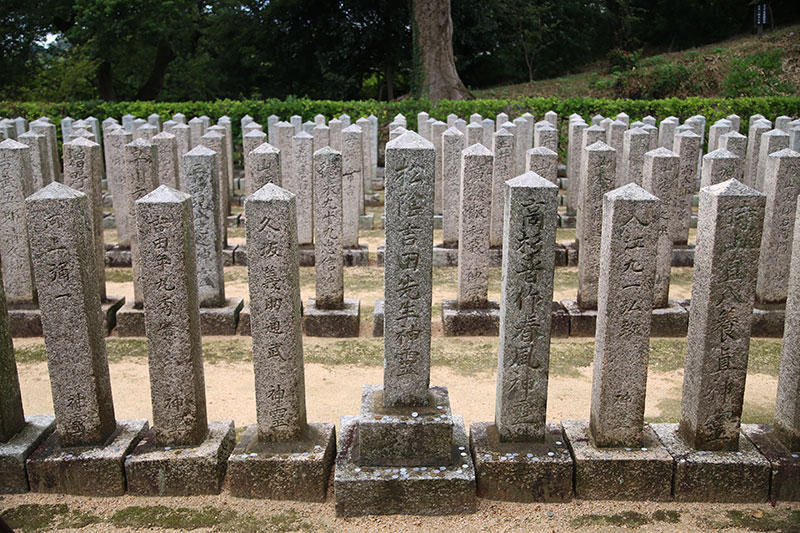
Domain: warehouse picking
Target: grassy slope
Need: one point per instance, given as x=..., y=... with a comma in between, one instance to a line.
x=694, y=72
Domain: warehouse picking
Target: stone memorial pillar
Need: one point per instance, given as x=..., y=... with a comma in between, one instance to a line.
x=636, y=143
x=474, y=134
x=215, y=141
x=503, y=149
x=183, y=146
x=115, y=173
x=197, y=130
x=437, y=129
x=335, y=134
x=757, y=128
x=544, y=162
x=688, y=147
x=53, y=164
x=714, y=462
x=771, y=141
x=545, y=135
x=453, y=143
x=718, y=166
x=85, y=454
x=38, y=145
x=262, y=166
x=167, y=150
x=303, y=178
x=272, y=129
x=322, y=137
x=165, y=224
x=488, y=132
x=574, y=149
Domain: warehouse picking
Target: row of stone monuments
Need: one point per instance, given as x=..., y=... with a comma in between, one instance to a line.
x=407, y=452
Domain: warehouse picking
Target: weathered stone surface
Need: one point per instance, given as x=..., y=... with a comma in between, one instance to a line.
x=787, y=403
x=322, y=136
x=503, y=171
x=408, y=271
x=735, y=143
x=283, y=470
x=366, y=173
x=641, y=472
x=215, y=140
x=164, y=221
x=600, y=176
x=83, y=171
x=470, y=321
x=352, y=183
x=488, y=132
x=660, y=174
x=635, y=144
x=39, y=158
x=115, y=173
x=344, y=321
x=141, y=177
x=146, y=132
x=274, y=275
x=452, y=145
x=523, y=140
x=437, y=129
x=545, y=135
x=335, y=134
x=718, y=166
x=15, y=450
x=717, y=130
x=771, y=141
x=183, y=145
x=738, y=476
x=785, y=465
x=756, y=129
x=688, y=147
x=781, y=187
x=538, y=471
x=525, y=313
x=473, y=234
x=262, y=166
x=197, y=130
x=15, y=185
x=12, y=417
x=544, y=162
x=574, y=151
x=167, y=150
x=53, y=163
x=328, y=229
x=631, y=224
x=250, y=141
x=421, y=490
x=474, y=134
x=62, y=248
x=666, y=132
x=154, y=470
x=304, y=184
x=731, y=217
x=272, y=129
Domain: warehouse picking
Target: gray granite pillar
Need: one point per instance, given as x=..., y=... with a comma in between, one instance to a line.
x=272, y=130
x=302, y=153
x=215, y=141
x=771, y=141
x=12, y=416
x=718, y=166
x=262, y=166
x=49, y=131
x=115, y=174
x=141, y=177
x=687, y=145
x=503, y=150
x=437, y=129
x=366, y=174
x=756, y=129
x=322, y=137
x=197, y=130
x=335, y=134
x=452, y=145
x=574, y=151
x=635, y=144
x=167, y=150
x=474, y=134
x=544, y=162
x=38, y=145
x=16, y=184
x=328, y=229
x=352, y=171
x=183, y=146
x=488, y=132
x=545, y=135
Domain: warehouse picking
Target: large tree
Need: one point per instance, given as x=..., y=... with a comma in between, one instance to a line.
x=434, y=38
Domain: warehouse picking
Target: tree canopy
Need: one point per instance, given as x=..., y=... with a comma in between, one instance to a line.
x=348, y=49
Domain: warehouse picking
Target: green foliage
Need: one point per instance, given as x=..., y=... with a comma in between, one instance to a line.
x=756, y=75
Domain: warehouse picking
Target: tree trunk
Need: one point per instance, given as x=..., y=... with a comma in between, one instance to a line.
x=389, y=81
x=435, y=39
x=105, y=82
x=164, y=55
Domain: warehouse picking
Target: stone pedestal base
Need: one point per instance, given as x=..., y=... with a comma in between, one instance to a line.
x=377, y=318
x=470, y=321
x=27, y=321
x=642, y=473
x=85, y=470
x=521, y=471
x=366, y=222
x=117, y=255
x=221, y=320
x=244, y=321
x=305, y=255
x=130, y=321
x=420, y=490
x=343, y=322
x=445, y=256
x=566, y=220
x=14, y=452
x=785, y=484
x=152, y=470
x=379, y=254
x=293, y=470
x=582, y=322
x=683, y=255
x=372, y=200
x=559, y=322
x=768, y=320
x=703, y=476
x=670, y=321
x=496, y=256
x=229, y=255
x=356, y=256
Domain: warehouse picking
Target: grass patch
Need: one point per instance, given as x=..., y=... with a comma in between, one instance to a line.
x=359, y=352
x=464, y=355
x=624, y=519
x=565, y=279
x=228, y=351
x=236, y=274
x=567, y=356
x=168, y=517
x=30, y=353
x=672, y=517
x=565, y=235
x=236, y=233
x=117, y=349
x=752, y=520
x=119, y=275
x=39, y=517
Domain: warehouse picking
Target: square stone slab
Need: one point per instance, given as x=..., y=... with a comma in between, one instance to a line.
x=445, y=256
x=785, y=483
x=354, y=257
x=243, y=328
x=459, y=322
x=419, y=490
x=721, y=476
x=130, y=321
x=152, y=470
x=305, y=255
x=643, y=473
x=670, y=321
x=14, y=452
x=768, y=322
x=27, y=321
x=521, y=471
x=582, y=323
x=293, y=470
x=221, y=320
x=85, y=470
x=683, y=255
x=228, y=255
x=366, y=222
x=403, y=436
x=377, y=318
x=344, y=322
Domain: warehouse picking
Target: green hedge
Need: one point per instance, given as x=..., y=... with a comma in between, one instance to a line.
x=712, y=108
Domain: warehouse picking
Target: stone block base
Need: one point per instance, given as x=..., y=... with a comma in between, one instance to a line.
x=785, y=482
x=118, y=256
x=377, y=318
x=244, y=321
x=293, y=470
x=343, y=322
x=437, y=222
x=483, y=321
x=366, y=222
x=670, y=321
x=229, y=255
x=521, y=471
x=379, y=254
x=419, y=490
x=130, y=321
x=356, y=256
x=221, y=320
x=683, y=255
x=641, y=473
x=240, y=255
x=496, y=256
x=305, y=255
x=768, y=321
x=559, y=322
x=566, y=220
x=14, y=452
x=27, y=321
x=152, y=470
x=445, y=256
x=404, y=436
x=85, y=470
x=582, y=322
x=372, y=200
x=720, y=476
